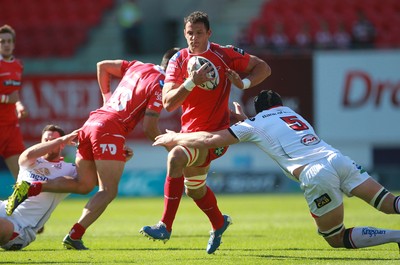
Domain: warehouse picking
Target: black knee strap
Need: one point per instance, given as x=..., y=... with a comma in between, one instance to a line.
x=347, y=242
x=380, y=197
x=395, y=203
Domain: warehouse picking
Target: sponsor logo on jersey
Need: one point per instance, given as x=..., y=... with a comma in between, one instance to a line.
x=219, y=151
x=236, y=49
x=12, y=83
x=42, y=171
x=310, y=139
x=175, y=56
x=58, y=166
x=94, y=123
x=37, y=177
x=159, y=96
x=359, y=168
x=161, y=83
x=322, y=200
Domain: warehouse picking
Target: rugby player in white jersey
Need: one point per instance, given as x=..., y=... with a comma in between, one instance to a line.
x=39, y=162
x=323, y=172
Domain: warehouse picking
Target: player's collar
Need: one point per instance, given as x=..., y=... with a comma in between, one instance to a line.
x=12, y=58
x=273, y=107
x=159, y=68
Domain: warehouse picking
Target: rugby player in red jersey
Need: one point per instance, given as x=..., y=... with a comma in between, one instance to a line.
x=102, y=153
x=203, y=110
x=11, y=108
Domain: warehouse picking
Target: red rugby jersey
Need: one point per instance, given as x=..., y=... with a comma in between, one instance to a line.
x=140, y=88
x=10, y=81
x=207, y=110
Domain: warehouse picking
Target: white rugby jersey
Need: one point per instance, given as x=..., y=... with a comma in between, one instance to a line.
x=285, y=136
x=36, y=210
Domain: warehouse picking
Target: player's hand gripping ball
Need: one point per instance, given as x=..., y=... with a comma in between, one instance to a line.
x=195, y=63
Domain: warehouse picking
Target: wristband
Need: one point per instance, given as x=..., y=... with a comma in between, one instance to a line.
x=246, y=83
x=189, y=84
x=5, y=98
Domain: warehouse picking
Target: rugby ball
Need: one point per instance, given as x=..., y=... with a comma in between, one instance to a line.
x=195, y=63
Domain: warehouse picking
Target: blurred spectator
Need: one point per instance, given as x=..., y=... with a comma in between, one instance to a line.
x=130, y=19
x=279, y=39
x=323, y=38
x=11, y=108
x=243, y=39
x=363, y=32
x=342, y=38
x=303, y=38
x=260, y=38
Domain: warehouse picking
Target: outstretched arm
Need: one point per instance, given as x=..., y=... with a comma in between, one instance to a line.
x=28, y=157
x=202, y=139
x=196, y=139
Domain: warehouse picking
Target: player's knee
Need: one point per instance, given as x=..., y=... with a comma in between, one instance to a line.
x=177, y=158
x=3, y=239
x=108, y=194
x=196, y=194
x=85, y=188
x=7, y=229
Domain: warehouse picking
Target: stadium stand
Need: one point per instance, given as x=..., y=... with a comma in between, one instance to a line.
x=48, y=28
x=384, y=15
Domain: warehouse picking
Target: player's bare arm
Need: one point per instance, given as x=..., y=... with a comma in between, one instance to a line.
x=257, y=70
x=150, y=124
x=28, y=157
x=173, y=96
x=196, y=139
x=106, y=69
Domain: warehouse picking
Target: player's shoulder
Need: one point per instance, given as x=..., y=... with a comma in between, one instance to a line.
x=11, y=63
x=19, y=62
x=180, y=55
x=230, y=49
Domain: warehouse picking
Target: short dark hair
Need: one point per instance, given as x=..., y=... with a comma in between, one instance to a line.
x=267, y=99
x=197, y=17
x=167, y=55
x=8, y=29
x=53, y=128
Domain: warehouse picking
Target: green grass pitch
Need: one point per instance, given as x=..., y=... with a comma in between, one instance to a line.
x=267, y=229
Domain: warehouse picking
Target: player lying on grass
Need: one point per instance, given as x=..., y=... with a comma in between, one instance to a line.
x=40, y=162
x=37, y=163
x=323, y=172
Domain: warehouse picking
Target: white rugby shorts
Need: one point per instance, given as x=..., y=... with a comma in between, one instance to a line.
x=324, y=182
